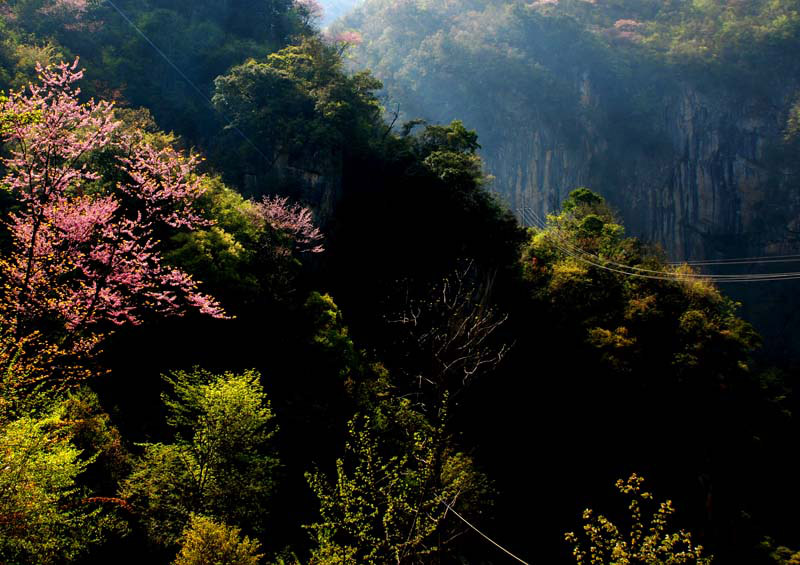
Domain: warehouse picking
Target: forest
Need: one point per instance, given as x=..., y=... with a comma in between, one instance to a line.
x=679, y=113
x=266, y=296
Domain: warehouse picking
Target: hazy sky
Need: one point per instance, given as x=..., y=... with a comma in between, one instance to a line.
x=335, y=9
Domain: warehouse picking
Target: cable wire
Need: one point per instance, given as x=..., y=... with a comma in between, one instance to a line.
x=755, y=277
x=183, y=75
x=581, y=254
x=742, y=260
x=490, y=540
x=596, y=261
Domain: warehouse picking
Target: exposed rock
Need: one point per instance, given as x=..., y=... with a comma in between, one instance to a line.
x=700, y=194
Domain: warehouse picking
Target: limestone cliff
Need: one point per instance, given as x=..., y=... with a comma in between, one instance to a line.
x=704, y=182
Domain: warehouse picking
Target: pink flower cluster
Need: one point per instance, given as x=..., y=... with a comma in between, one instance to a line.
x=84, y=248
x=346, y=37
x=627, y=25
x=69, y=6
x=71, y=15
x=293, y=220
x=311, y=8
x=626, y=30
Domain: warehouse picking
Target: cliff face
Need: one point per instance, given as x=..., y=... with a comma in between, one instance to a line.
x=702, y=181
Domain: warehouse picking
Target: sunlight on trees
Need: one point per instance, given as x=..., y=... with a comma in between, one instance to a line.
x=90, y=199
x=389, y=508
x=45, y=516
x=221, y=463
x=206, y=542
x=647, y=542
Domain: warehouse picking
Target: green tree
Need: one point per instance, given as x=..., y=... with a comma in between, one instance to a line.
x=45, y=515
x=297, y=104
x=221, y=463
x=224, y=254
x=450, y=152
x=658, y=359
x=780, y=555
x=388, y=502
x=206, y=542
x=204, y=39
x=332, y=337
x=19, y=54
x=582, y=265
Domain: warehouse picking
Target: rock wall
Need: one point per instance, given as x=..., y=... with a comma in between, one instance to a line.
x=704, y=184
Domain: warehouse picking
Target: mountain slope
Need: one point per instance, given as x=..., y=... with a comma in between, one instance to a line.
x=673, y=110
x=676, y=111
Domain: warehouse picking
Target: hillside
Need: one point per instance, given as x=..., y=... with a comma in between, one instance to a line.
x=251, y=314
x=676, y=111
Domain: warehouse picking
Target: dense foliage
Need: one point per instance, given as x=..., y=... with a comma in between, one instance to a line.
x=223, y=467
x=646, y=102
x=48, y=517
x=422, y=49
x=203, y=39
x=206, y=541
x=318, y=338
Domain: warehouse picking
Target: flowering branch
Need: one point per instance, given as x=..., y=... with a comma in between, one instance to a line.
x=84, y=255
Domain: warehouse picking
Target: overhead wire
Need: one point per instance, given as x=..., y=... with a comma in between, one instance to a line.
x=583, y=259
x=595, y=260
x=575, y=252
x=185, y=77
x=620, y=268
x=613, y=266
x=490, y=540
x=742, y=260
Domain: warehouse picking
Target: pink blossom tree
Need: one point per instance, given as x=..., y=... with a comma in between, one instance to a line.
x=76, y=8
x=346, y=37
x=285, y=233
x=342, y=40
x=293, y=221
x=310, y=10
x=84, y=254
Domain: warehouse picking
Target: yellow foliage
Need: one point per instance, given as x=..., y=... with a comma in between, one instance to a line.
x=29, y=364
x=603, y=543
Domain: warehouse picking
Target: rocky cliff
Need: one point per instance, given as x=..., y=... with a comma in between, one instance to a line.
x=673, y=111
x=705, y=180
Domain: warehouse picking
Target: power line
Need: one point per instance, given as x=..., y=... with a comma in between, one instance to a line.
x=581, y=254
x=185, y=77
x=490, y=540
x=754, y=277
x=742, y=260
x=596, y=261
